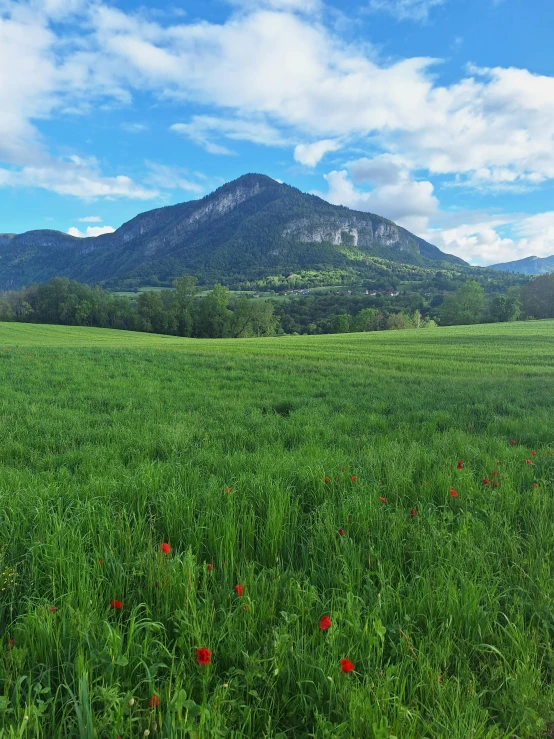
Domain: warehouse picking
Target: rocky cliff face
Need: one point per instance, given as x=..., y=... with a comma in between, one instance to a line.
x=250, y=226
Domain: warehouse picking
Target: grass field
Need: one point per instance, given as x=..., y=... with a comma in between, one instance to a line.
x=318, y=473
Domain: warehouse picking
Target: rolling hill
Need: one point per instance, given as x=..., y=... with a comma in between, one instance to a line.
x=248, y=228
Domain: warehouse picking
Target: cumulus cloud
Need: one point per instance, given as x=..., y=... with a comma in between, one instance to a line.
x=91, y=231
x=415, y=10
x=312, y=154
x=396, y=194
x=203, y=128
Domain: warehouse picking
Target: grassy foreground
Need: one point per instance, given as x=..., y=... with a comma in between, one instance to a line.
x=317, y=472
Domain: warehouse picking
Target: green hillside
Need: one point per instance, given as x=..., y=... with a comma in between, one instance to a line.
x=324, y=472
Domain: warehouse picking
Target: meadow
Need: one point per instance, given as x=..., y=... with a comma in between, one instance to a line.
x=384, y=501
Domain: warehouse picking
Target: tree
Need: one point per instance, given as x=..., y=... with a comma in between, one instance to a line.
x=506, y=307
x=466, y=306
x=537, y=297
x=212, y=317
x=184, y=295
x=365, y=320
x=340, y=324
x=253, y=318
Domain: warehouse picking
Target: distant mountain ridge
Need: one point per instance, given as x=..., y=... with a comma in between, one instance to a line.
x=248, y=228
x=528, y=266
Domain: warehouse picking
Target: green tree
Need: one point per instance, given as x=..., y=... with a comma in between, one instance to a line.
x=466, y=306
x=506, y=307
x=212, y=316
x=340, y=324
x=365, y=320
x=537, y=297
x=184, y=295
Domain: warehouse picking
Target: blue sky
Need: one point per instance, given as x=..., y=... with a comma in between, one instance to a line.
x=438, y=114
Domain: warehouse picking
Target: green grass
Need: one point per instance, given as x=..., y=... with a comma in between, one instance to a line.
x=114, y=442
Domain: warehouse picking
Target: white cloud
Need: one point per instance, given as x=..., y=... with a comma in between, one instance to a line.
x=91, y=231
x=90, y=219
x=312, y=154
x=134, y=127
x=77, y=177
x=171, y=178
x=396, y=196
x=416, y=10
x=303, y=6
x=203, y=128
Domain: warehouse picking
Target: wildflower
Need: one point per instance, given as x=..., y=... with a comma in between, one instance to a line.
x=223, y=564
x=203, y=656
x=495, y=473
x=341, y=532
x=342, y=469
x=534, y=454
x=153, y=702
x=349, y=519
x=245, y=607
x=528, y=461
x=229, y=490
x=413, y=513
x=210, y=567
x=166, y=549
x=326, y=480
x=132, y=702
x=100, y=561
x=496, y=484
x=512, y=441
x=117, y=604
x=53, y=609
x=353, y=478
x=453, y=493
x=486, y=481
x=239, y=590
x=499, y=462
x=346, y=665
x=324, y=623
x=461, y=464
x=10, y=644
x=383, y=500
x=535, y=485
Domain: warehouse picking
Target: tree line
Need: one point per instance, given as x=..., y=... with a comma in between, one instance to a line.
x=183, y=311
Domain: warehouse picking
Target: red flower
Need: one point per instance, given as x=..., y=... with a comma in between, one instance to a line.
x=153, y=702
x=239, y=589
x=342, y=469
x=353, y=478
x=166, y=549
x=53, y=609
x=10, y=644
x=210, y=567
x=346, y=665
x=534, y=454
x=324, y=623
x=203, y=656
x=349, y=519
x=383, y=500
x=223, y=564
x=229, y=490
x=453, y=493
x=117, y=604
x=512, y=441
x=486, y=481
x=341, y=532
x=495, y=473
x=413, y=513
x=528, y=461
x=496, y=484
x=535, y=485
x=461, y=464
x=326, y=480
x=100, y=561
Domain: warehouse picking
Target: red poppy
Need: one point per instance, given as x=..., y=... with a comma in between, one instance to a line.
x=210, y=567
x=535, y=485
x=496, y=484
x=383, y=500
x=512, y=441
x=326, y=480
x=461, y=464
x=341, y=532
x=223, y=564
x=153, y=702
x=342, y=469
x=324, y=623
x=413, y=512
x=203, y=656
x=534, y=454
x=239, y=589
x=349, y=519
x=229, y=490
x=100, y=561
x=117, y=604
x=495, y=473
x=53, y=609
x=353, y=478
x=528, y=461
x=453, y=493
x=346, y=665
x=486, y=481
x=10, y=644
x=166, y=549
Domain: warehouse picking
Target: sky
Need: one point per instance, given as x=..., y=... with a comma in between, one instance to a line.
x=437, y=114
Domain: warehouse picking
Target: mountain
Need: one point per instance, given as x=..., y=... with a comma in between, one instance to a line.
x=528, y=266
x=247, y=229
